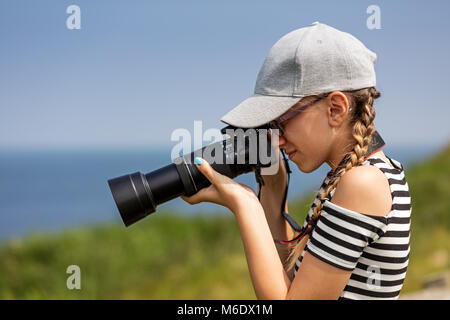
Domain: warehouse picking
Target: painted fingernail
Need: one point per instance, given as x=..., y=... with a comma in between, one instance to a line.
x=198, y=160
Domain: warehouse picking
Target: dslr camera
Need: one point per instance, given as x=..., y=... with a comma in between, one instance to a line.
x=243, y=150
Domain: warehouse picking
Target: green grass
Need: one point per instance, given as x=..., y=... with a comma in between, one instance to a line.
x=171, y=256
x=165, y=256
x=429, y=184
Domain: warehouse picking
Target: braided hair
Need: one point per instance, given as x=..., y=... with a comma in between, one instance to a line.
x=362, y=124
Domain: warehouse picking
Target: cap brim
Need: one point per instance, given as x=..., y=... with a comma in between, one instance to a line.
x=258, y=110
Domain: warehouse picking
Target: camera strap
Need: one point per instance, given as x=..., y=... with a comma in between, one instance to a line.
x=289, y=219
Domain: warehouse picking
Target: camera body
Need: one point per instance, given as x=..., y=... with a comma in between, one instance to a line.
x=244, y=150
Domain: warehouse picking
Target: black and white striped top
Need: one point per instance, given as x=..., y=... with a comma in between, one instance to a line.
x=375, y=249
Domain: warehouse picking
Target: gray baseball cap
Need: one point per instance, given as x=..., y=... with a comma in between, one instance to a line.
x=307, y=61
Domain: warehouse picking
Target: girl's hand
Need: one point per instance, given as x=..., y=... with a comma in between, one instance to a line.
x=222, y=191
x=277, y=180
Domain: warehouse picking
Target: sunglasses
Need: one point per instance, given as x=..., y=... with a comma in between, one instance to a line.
x=277, y=123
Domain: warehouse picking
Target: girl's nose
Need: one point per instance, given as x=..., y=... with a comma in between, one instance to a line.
x=281, y=142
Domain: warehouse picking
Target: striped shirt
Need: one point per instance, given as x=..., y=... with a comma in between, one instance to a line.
x=374, y=248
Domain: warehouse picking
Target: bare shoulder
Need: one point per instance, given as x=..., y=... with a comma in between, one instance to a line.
x=364, y=189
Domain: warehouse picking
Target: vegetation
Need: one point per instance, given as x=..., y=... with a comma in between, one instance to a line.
x=171, y=256
x=429, y=184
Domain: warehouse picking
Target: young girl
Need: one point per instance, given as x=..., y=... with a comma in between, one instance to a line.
x=317, y=87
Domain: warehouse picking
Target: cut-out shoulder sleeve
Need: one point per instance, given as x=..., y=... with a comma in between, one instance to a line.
x=341, y=235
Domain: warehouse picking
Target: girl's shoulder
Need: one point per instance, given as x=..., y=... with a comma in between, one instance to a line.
x=364, y=189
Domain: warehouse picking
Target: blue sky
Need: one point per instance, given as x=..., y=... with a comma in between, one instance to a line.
x=138, y=70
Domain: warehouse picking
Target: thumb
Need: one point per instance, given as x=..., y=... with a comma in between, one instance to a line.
x=205, y=168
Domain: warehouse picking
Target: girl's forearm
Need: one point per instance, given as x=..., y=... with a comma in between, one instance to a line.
x=279, y=227
x=272, y=193
x=269, y=278
x=271, y=202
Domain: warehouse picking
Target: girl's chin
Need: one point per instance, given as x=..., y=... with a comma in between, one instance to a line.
x=303, y=166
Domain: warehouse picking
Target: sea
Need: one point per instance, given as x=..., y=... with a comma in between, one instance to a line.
x=42, y=191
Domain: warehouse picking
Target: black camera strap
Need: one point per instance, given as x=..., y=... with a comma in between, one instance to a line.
x=291, y=221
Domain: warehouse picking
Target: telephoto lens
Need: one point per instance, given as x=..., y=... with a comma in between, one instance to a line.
x=137, y=195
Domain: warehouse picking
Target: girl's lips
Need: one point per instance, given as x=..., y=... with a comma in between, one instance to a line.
x=291, y=155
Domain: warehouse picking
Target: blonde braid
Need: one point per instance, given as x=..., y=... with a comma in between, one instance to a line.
x=362, y=122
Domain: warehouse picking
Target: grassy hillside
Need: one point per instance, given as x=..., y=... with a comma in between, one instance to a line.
x=429, y=184
x=165, y=256
x=169, y=256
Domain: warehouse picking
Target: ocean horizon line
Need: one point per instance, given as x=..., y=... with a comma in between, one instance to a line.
x=157, y=147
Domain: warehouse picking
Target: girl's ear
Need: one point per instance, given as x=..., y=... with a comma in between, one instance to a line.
x=338, y=106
